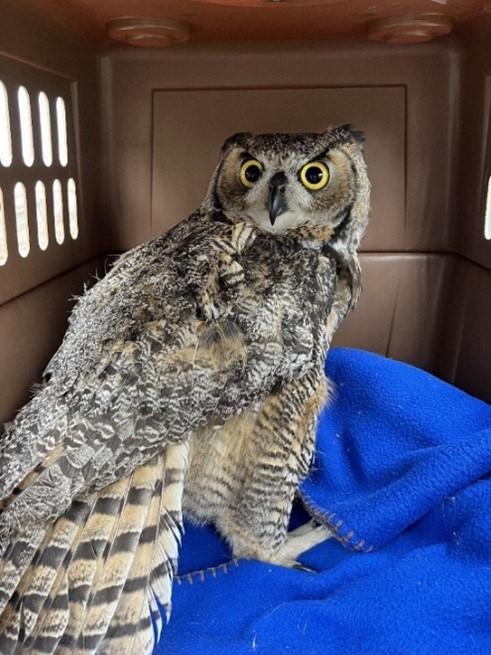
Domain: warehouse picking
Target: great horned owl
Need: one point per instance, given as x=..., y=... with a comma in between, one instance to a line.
x=189, y=382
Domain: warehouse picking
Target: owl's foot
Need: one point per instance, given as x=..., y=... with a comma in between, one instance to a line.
x=298, y=541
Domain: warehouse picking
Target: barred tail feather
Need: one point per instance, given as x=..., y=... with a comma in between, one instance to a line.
x=39, y=582
x=107, y=591
x=170, y=528
x=76, y=577
x=131, y=629
x=89, y=557
x=16, y=566
x=53, y=615
x=90, y=580
x=131, y=621
x=14, y=563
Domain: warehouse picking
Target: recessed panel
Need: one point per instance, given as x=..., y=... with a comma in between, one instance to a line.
x=189, y=128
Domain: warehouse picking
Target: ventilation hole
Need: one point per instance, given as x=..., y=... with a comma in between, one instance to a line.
x=58, y=212
x=42, y=215
x=72, y=208
x=21, y=219
x=45, y=123
x=487, y=213
x=3, y=234
x=5, y=138
x=26, y=126
x=62, y=132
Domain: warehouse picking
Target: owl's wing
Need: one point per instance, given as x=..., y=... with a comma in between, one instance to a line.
x=142, y=395
x=103, y=508
x=128, y=331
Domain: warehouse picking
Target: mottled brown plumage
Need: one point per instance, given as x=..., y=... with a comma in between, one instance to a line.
x=189, y=381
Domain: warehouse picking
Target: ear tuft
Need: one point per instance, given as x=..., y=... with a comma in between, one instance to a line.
x=355, y=134
x=237, y=139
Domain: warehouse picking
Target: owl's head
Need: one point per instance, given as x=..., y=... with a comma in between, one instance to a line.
x=311, y=185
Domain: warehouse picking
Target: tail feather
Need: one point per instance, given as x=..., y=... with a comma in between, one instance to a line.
x=107, y=592
x=154, y=565
x=90, y=580
x=21, y=552
x=9, y=636
x=47, y=582
x=164, y=565
x=13, y=565
x=53, y=620
x=90, y=555
x=71, y=588
x=131, y=625
x=36, y=582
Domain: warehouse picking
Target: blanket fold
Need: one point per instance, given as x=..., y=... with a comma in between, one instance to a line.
x=393, y=445
x=402, y=474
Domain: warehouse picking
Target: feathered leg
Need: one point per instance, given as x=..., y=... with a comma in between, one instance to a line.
x=283, y=440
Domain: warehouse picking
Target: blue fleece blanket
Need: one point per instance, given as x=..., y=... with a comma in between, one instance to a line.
x=402, y=474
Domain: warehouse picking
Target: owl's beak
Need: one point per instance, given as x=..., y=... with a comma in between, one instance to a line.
x=276, y=199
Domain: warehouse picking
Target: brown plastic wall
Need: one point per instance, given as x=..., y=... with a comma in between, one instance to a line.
x=148, y=126
x=465, y=345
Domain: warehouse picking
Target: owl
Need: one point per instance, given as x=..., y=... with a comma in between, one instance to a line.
x=188, y=384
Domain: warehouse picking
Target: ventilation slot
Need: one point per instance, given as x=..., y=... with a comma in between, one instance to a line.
x=62, y=131
x=26, y=126
x=45, y=124
x=21, y=219
x=72, y=208
x=5, y=138
x=42, y=216
x=58, y=212
x=3, y=234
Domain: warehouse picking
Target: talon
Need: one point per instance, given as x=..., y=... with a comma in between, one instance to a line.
x=301, y=567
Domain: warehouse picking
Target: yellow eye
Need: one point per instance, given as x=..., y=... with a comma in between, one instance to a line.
x=250, y=172
x=314, y=176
